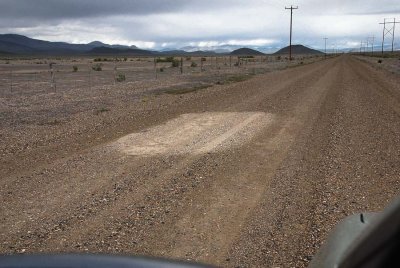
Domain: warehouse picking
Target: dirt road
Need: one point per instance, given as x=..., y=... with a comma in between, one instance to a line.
x=254, y=173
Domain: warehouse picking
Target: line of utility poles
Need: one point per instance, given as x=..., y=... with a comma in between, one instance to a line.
x=325, y=38
x=388, y=29
x=290, y=39
x=367, y=44
x=372, y=43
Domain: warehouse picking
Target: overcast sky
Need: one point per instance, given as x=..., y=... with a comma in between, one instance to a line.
x=156, y=24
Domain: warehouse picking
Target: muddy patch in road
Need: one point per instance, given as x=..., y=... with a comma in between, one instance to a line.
x=195, y=133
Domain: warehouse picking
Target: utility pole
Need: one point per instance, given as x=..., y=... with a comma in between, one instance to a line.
x=11, y=80
x=290, y=40
x=383, y=35
x=394, y=25
x=388, y=31
x=115, y=70
x=325, y=38
x=181, y=65
x=372, y=44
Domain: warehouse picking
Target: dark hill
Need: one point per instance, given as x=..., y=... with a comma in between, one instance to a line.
x=118, y=51
x=298, y=49
x=178, y=53
x=19, y=44
x=101, y=44
x=5, y=53
x=175, y=52
x=246, y=52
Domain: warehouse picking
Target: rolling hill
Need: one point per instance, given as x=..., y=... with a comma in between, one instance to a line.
x=298, y=49
x=246, y=52
x=19, y=44
x=120, y=51
x=15, y=44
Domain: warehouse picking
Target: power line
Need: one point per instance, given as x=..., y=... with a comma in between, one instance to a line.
x=290, y=39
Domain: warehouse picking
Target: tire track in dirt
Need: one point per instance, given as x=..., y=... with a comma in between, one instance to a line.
x=58, y=142
x=44, y=177
x=337, y=167
x=78, y=225
x=145, y=244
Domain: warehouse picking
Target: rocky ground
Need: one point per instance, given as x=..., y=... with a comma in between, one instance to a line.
x=389, y=62
x=252, y=173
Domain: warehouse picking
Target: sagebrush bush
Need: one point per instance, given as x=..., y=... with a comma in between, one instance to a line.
x=175, y=63
x=97, y=67
x=121, y=77
x=167, y=59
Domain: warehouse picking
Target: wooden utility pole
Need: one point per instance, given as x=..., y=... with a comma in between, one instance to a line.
x=155, y=67
x=290, y=39
x=115, y=71
x=90, y=77
x=11, y=80
x=53, y=82
x=325, y=38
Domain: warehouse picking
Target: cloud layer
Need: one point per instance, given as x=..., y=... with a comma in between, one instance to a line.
x=178, y=23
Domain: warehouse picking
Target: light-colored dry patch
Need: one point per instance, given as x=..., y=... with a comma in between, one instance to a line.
x=195, y=133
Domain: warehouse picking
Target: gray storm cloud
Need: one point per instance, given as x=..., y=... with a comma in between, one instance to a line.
x=47, y=9
x=155, y=23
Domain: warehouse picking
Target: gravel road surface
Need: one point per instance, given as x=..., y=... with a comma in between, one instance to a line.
x=249, y=174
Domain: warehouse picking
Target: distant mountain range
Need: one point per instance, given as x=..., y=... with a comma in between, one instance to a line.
x=100, y=44
x=19, y=44
x=14, y=44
